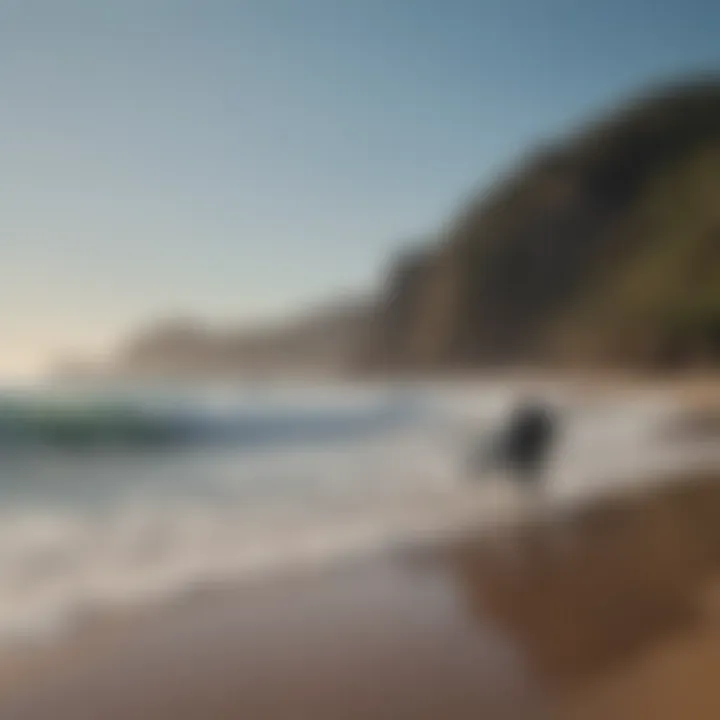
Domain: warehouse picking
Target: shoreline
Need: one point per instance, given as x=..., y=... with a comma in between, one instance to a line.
x=575, y=617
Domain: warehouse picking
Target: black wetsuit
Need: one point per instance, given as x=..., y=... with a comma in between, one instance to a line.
x=528, y=441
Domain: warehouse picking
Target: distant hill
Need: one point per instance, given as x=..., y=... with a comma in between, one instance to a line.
x=323, y=341
x=602, y=249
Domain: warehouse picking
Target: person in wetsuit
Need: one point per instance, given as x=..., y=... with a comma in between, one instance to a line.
x=528, y=441
x=524, y=444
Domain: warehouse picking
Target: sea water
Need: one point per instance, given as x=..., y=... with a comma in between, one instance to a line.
x=111, y=498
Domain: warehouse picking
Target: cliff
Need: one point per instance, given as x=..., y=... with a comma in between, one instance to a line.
x=601, y=249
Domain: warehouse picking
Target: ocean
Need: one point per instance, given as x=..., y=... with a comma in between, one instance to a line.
x=112, y=498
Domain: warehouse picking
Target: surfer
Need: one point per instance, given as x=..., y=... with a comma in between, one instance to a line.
x=523, y=445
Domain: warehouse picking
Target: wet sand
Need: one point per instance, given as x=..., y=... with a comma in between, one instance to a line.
x=612, y=611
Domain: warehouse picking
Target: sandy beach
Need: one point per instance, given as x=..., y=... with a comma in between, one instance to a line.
x=612, y=611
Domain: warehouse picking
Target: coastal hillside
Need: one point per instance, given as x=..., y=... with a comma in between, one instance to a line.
x=602, y=249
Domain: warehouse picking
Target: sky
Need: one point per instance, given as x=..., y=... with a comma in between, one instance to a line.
x=239, y=160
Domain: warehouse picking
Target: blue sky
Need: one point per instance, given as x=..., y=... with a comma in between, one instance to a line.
x=240, y=159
